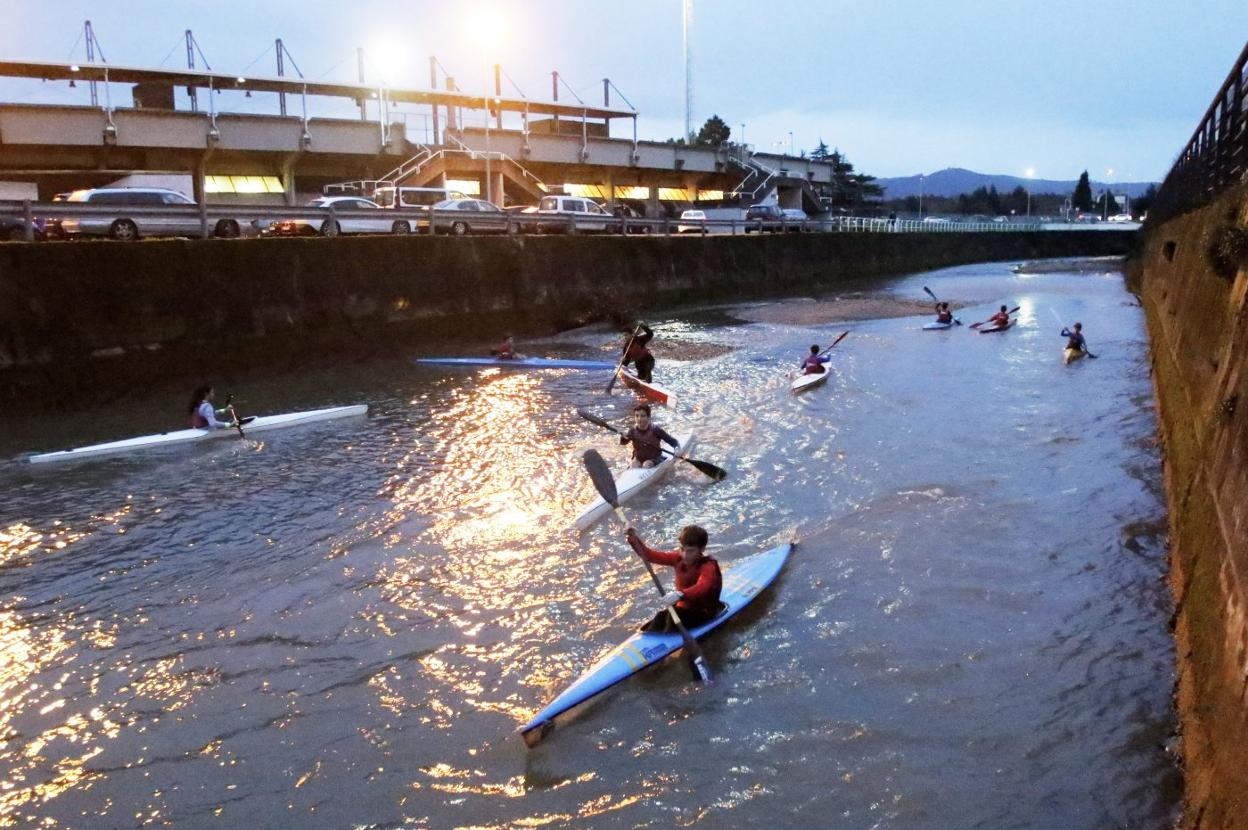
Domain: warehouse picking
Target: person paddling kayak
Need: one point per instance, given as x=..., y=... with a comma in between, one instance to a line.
x=1074, y=336
x=813, y=363
x=698, y=580
x=202, y=413
x=635, y=352
x=1001, y=319
x=943, y=314
x=505, y=350
x=645, y=438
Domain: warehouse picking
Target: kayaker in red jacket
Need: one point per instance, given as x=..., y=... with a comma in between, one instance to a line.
x=1001, y=319
x=635, y=352
x=698, y=580
x=505, y=350
x=645, y=438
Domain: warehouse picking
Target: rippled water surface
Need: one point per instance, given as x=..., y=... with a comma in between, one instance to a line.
x=344, y=624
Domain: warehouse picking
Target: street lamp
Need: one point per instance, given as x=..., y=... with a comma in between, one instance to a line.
x=1030, y=173
x=920, y=197
x=791, y=151
x=742, y=133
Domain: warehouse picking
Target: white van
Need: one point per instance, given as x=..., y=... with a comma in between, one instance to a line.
x=414, y=197
x=563, y=214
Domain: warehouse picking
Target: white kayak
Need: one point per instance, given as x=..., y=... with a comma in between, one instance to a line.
x=183, y=436
x=803, y=382
x=937, y=326
x=632, y=481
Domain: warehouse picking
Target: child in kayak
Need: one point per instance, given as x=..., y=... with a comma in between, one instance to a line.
x=505, y=350
x=645, y=438
x=943, y=314
x=203, y=416
x=813, y=364
x=635, y=352
x=698, y=580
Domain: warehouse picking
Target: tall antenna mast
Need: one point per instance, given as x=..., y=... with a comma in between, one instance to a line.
x=688, y=22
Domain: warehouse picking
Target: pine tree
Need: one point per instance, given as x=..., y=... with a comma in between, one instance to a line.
x=820, y=153
x=714, y=133
x=1081, y=199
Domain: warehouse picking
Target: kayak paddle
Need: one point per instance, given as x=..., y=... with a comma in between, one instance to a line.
x=600, y=475
x=238, y=425
x=717, y=473
x=1013, y=310
x=624, y=357
x=937, y=299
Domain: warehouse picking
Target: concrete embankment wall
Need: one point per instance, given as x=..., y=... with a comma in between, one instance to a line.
x=82, y=321
x=1193, y=279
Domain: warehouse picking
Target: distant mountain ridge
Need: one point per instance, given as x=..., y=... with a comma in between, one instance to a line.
x=955, y=180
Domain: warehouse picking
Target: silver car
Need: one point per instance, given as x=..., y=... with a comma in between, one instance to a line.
x=459, y=217
x=124, y=225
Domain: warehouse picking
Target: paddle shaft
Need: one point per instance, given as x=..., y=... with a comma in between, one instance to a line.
x=623, y=359
x=237, y=424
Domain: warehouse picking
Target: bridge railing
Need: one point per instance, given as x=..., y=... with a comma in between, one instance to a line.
x=1216, y=156
x=37, y=219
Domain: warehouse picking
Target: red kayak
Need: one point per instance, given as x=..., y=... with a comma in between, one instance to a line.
x=650, y=391
x=998, y=328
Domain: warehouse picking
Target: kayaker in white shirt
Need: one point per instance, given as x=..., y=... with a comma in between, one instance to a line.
x=202, y=413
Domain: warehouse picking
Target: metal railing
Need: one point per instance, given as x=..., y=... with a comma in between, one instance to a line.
x=205, y=221
x=1216, y=157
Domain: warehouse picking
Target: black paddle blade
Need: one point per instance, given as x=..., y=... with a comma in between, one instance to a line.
x=707, y=468
x=930, y=294
x=600, y=475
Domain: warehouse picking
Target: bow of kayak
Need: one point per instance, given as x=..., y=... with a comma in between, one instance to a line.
x=1069, y=356
x=937, y=326
x=632, y=482
x=742, y=582
x=997, y=329
x=183, y=436
x=650, y=391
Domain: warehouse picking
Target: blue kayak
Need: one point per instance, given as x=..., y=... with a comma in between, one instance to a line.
x=518, y=363
x=742, y=582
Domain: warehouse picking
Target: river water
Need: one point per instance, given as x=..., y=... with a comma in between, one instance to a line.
x=344, y=625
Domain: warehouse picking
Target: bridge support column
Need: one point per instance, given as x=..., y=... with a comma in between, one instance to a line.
x=654, y=210
x=495, y=189
x=610, y=190
x=288, y=180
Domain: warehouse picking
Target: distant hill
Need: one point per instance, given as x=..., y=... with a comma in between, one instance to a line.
x=955, y=180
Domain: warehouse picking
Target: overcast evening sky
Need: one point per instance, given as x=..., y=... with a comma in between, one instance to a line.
x=899, y=87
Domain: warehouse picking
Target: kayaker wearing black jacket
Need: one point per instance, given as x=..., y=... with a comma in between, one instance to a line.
x=635, y=352
x=943, y=314
x=1075, y=335
x=645, y=438
x=698, y=580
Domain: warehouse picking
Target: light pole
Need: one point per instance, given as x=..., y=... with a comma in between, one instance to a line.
x=791, y=152
x=920, y=197
x=1029, y=173
x=742, y=133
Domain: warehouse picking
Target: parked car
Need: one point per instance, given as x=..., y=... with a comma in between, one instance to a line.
x=460, y=217
x=340, y=225
x=127, y=226
x=691, y=221
x=795, y=219
x=13, y=229
x=409, y=197
x=571, y=214
x=764, y=219
x=1122, y=217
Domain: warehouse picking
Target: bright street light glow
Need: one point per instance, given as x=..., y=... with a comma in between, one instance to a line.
x=1030, y=172
x=486, y=30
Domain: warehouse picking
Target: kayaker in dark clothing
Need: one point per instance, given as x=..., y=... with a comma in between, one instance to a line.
x=635, y=352
x=943, y=314
x=698, y=580
x=813, y=364
x=202, y=413
x=1075, y=335
x=645, y=438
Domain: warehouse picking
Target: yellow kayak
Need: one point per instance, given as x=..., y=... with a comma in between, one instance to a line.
x=1071, y=355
